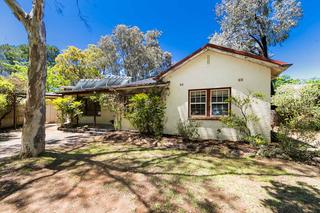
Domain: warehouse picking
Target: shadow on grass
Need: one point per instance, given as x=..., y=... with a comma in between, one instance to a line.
x=292, y=199
x=167, y=172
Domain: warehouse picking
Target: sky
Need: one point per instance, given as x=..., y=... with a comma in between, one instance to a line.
x=186, y=26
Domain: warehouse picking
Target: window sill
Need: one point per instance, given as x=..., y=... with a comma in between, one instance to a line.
x=205, y=118
x=90, y=115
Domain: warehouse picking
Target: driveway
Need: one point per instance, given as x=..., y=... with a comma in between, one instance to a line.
x=10, y=142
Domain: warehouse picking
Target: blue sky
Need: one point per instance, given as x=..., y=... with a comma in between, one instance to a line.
x=186, y=26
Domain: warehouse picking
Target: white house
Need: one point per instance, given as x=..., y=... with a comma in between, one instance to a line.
x=198, y=86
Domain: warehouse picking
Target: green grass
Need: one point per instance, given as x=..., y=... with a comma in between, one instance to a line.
x=181, y=181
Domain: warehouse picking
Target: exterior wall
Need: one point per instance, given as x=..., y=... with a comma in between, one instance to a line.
x=51, y=113
x=105, y=118
x=221, y=71
x=8, y=122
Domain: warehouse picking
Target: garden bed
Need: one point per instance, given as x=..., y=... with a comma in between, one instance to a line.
x=214, y=147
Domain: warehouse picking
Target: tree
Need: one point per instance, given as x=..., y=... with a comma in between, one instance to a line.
x=19, y=55
x=254, y=25
x=298, y=108
x=129, y=51
x=6, y=97
x=283, y=80
x=75, y=64
x=147, y=113
x=33, y=133
x=52, y=53
x=245, y=118
x=68, y=109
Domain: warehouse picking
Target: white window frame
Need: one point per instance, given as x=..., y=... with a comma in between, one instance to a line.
x=205, y=104
x=211, y=102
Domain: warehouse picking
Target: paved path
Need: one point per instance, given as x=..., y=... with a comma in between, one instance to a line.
x=10, y=142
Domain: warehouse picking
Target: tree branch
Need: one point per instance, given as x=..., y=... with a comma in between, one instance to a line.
x=37, y=9
x=259, y=42
x=17, y=10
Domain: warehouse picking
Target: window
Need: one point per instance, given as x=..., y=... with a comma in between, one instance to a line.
x=198, y=103
x=219, y=104
x=209, y=103
x=91, y=108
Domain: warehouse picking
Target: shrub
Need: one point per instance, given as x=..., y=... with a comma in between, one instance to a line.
x=116, y=104
x=299, y=106
x=299, y=110
x=255, y=140
x=188, y=130
x=7, y=89
x=147, y=113
x=68, y=109
x=241, y=121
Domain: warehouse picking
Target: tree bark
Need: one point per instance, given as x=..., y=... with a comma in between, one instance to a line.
x=264, y=46
x=33, y=132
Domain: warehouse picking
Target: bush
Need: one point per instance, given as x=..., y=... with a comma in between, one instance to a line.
x=188, y=130
x=241, y=121
x=299, y=110
x=147, y=113
x=255, y=140
x=299, y=106
x=68, y=109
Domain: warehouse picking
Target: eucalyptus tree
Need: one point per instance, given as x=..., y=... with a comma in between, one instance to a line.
x=129, y=51
x=33, y=133
x=255, y=25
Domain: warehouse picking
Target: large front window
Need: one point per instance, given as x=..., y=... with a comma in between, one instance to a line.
x=209, y=103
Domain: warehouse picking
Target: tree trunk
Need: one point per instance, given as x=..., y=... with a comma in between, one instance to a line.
x=33, y=133
x=265, y=46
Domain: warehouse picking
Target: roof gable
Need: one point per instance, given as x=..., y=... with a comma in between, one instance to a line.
x=276, y=65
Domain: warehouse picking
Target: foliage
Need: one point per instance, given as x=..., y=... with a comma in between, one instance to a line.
x=129, y=51
x=7, y=90
x=241, y=121
x=15, y=54
x=188, y=130
x=298, y=108
x=19, y=55
x=75, y=64
x=116, y=104
x=147, y=113
x=3, y=104
x=68, y=109
x=283, y=80
x=14, y=63
x=253, y=26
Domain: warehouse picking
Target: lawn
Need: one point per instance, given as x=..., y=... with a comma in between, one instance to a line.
x=112, y=176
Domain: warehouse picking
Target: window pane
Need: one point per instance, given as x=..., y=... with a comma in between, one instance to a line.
x=219, y=109
x=219, y=95
x=198, y=96
x=198, y=109
x=203, y=97
x=225, y=95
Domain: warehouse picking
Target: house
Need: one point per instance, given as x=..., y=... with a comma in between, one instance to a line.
x=198, y=86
